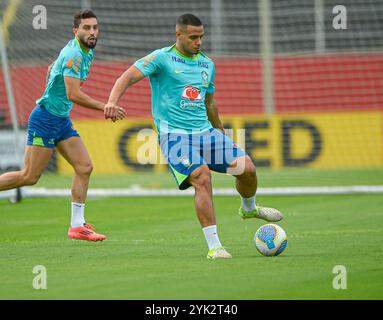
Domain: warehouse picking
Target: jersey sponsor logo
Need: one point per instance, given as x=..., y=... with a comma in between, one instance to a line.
x=178, y=59
x=202, y=64
x=191, y=97
x=191, y=93
x=148, y=60
x=188, y=104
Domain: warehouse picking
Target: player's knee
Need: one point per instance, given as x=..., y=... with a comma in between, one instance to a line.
x=249, y=171
x=84, y=169
x=202, y=178
x=88, y=169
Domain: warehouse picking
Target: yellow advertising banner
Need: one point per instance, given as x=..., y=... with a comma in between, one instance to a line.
x=315, y=140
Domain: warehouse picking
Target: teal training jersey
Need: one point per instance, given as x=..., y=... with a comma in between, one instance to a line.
x=71, y=62
x=179, y=85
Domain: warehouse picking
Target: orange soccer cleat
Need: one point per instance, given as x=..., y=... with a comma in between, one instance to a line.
x=85, y=233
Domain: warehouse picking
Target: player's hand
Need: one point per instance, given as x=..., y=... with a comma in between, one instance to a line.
x=121, y=114
x=114, y=112
x=109, y=110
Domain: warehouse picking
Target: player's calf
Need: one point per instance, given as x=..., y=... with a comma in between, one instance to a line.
x=17, y=179
x=246, y=182
x=29, y=178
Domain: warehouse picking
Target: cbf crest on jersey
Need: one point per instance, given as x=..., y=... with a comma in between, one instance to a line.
x=205, y=78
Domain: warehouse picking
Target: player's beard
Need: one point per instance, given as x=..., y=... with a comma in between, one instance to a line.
x=194, y=50
x=191, y=51
x=87, y=44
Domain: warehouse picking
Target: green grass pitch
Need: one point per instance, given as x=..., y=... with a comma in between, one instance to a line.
x=156, y=250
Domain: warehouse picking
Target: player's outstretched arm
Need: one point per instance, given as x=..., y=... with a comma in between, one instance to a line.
x=128, y=78
x=212, y=112
x=74, y=94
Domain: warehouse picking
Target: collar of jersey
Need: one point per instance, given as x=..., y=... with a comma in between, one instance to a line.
x=174, y=49
x=78, y=43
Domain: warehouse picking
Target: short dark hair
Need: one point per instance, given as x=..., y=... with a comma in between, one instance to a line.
x=188, y=19
x=83, y=14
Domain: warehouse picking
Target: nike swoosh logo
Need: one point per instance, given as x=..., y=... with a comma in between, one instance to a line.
x=178, y=71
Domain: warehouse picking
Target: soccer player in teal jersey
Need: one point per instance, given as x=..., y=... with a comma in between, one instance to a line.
x=191, y=134
x=50, y=127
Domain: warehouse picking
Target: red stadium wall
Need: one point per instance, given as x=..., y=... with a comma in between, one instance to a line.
x=301, y=84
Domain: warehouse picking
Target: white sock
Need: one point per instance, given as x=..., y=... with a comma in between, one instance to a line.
x=211, y=236
x=248, y=204
x=77, y=217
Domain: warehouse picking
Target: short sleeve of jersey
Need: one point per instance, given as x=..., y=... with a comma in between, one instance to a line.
x=211, y=87
x=71, y=65
x=150, y=64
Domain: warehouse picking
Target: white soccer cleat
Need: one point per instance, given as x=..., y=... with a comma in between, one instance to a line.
x=264, y=213
x=218, y=253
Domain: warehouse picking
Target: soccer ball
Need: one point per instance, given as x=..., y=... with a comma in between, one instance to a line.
x=270, y=240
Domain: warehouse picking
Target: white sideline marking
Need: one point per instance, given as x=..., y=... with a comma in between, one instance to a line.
x=136, y=191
